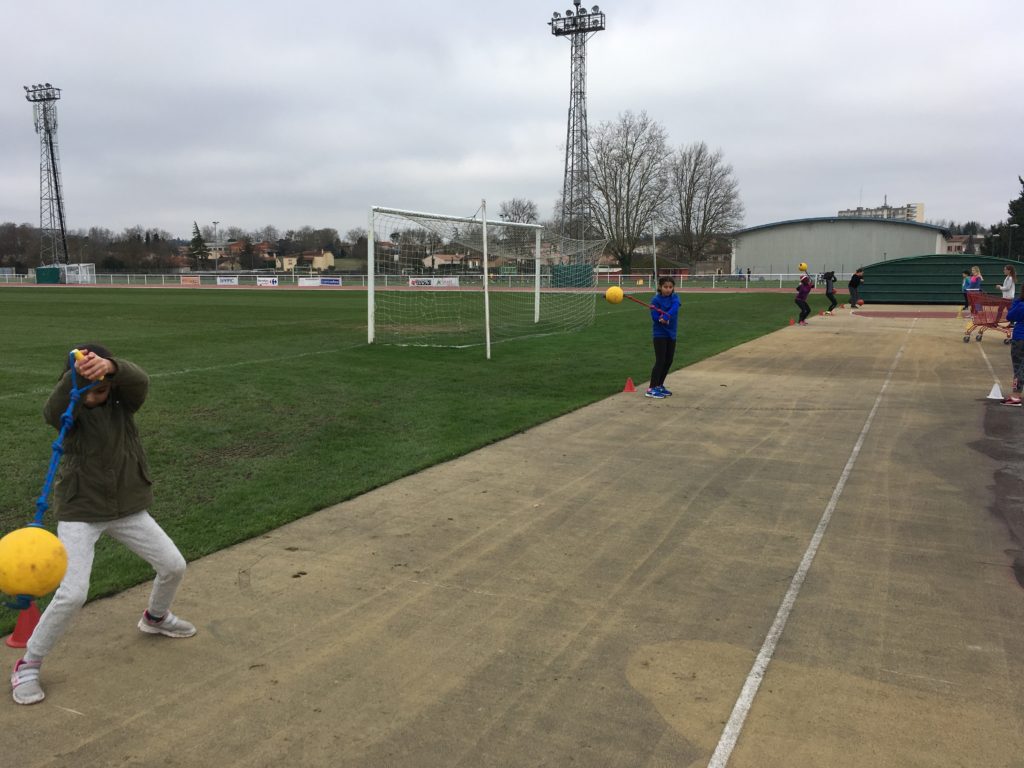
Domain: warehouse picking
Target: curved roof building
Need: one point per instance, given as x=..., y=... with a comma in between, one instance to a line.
x=832, y=243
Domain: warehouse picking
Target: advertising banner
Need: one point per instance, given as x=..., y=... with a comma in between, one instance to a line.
x=266, y=282
x=309, y=282
x=226, y=280
x=334, y=282
x=192, y=280
x=433, y=282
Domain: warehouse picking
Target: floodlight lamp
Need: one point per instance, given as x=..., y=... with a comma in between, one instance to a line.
x=569, y=13
x=581, y=12
x=49, y=86
x=595, y=9
x=25, y=87
x=556, y=15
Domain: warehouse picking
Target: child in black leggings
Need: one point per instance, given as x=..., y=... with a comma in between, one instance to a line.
x=664, y=319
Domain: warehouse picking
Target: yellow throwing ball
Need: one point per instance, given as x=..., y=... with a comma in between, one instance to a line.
x=613, y=295
x=32, y=562
x=803, y=266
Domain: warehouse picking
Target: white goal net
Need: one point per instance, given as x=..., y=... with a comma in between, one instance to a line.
x=453, y=281
x=78, y=274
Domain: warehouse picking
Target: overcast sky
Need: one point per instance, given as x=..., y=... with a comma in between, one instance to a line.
x=308, y=112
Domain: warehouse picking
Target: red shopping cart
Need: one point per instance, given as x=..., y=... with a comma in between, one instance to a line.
x=987, y=312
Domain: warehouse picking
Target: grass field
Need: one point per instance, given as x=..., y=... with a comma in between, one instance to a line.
x=265, y=406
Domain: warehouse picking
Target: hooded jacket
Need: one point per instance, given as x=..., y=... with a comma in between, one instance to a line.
x=803, y=288
x=103, y=474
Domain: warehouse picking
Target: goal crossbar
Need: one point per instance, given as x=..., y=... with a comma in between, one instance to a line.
x=441, y=280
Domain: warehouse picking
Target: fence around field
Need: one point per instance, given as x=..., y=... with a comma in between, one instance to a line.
x=636, y=281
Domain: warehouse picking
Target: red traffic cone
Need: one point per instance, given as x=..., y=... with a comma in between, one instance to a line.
x=822, y=313
x=629, y=386
x=27, y=620
x=792, y=321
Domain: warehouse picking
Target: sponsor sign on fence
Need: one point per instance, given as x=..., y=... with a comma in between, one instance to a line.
x=266, y=282
x=226, y=280
x=433, y=282
x=192, y=280
x=317, y=282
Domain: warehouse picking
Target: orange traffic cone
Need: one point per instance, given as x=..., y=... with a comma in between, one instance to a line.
x=629, y=386
x=792, y=321
x=27, y=620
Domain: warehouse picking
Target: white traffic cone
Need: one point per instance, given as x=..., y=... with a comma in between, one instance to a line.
x=996, y=393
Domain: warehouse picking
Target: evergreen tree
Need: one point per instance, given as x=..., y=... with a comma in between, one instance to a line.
x=197, y=248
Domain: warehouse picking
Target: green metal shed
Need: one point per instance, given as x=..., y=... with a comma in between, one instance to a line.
x=48, y=275
x=933, y=279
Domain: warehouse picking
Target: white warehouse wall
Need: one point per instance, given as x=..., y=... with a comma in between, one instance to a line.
x=840, y=244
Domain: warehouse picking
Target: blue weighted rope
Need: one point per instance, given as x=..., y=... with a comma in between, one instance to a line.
x=67, y=420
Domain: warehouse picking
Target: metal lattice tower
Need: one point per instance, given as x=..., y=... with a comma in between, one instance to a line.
x=53, y=234
x=578, y=26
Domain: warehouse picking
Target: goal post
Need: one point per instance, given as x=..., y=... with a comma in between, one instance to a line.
x=457, y=281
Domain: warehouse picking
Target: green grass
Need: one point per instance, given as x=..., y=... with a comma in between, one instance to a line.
x=265, y=406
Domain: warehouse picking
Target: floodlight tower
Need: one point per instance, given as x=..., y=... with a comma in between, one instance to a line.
x=578, y=26
x=51, y=201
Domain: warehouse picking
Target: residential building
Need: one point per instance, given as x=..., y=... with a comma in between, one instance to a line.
x=907, y=212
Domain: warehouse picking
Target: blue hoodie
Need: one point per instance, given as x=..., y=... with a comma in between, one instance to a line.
x=1016, y=316
x=670, y=305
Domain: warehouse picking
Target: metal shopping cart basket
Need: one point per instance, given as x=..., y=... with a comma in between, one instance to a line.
x=987, y=312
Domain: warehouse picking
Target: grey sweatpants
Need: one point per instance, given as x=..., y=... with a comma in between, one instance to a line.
x=141, y=534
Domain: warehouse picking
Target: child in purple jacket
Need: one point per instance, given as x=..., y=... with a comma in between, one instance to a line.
x=803, y=289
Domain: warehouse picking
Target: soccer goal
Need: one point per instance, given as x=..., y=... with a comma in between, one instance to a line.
x=456, y=281
x=78, y=274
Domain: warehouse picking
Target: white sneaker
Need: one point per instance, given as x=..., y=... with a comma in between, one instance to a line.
x=25, y=686
x=169, y=626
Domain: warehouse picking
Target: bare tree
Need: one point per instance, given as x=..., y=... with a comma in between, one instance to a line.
x=268, y=233
x=519, y=211
x=705, y=198
x=630, y=181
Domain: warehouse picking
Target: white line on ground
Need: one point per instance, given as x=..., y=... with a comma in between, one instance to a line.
x=990, y=368
x=221, y=366
x=731, y=733
x=72, y=711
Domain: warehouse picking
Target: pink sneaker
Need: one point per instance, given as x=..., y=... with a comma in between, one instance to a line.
x=1014, y=401
x=25, y=686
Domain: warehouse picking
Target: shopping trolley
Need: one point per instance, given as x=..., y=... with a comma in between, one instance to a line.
x=987, y=312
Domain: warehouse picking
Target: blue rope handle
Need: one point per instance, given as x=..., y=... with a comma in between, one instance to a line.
x=67, y=420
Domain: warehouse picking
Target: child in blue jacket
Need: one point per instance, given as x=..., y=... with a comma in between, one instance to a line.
x=1016, y=316
x=664, y=318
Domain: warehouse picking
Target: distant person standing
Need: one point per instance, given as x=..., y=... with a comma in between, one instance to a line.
x=965, y=286
x=1008, y=288
x=976, y=280
x=830, y=291
x=855, y=282
x=974, y=285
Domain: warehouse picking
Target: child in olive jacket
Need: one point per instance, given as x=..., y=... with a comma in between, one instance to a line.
x=103, y=486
